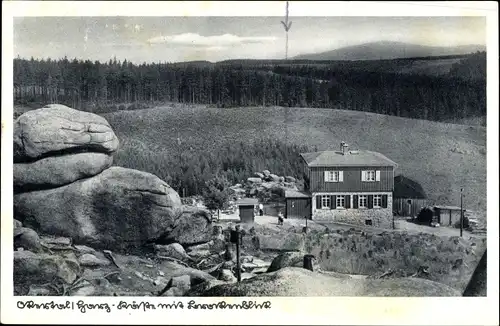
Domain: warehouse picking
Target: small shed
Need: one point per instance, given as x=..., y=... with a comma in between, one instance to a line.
x=447, y=215
x=246, y=208
x=298, y=205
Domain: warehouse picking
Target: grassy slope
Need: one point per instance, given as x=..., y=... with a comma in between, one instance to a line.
x=423, y=149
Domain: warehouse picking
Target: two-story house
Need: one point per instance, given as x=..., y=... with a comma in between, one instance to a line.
x=345, y=186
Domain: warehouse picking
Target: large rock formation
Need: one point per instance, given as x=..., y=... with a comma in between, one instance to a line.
x=293, y=281
x=64, y=186
x=57, y=171
x=117, y=208
x=57, y=128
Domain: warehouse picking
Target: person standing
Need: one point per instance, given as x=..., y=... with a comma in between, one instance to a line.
x=261, y=209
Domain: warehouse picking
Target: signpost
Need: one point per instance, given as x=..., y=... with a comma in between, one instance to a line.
x=236, y=238
x=461, y=213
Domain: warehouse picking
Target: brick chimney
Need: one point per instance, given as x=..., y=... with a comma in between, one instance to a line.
x=344, y=147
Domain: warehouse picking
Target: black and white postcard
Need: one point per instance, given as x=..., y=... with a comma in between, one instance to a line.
x=281, y=162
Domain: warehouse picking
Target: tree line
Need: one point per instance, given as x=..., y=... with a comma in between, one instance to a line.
x=190, y=172
x=363, y=86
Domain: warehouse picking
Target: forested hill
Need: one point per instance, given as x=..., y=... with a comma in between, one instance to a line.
x=437, y=89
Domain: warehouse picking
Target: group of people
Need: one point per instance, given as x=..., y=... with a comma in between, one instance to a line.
x=280, y=214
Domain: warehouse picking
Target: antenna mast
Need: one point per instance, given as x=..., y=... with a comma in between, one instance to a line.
x=287, y=25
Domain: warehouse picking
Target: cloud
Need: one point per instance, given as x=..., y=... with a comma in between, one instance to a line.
x=192, y=39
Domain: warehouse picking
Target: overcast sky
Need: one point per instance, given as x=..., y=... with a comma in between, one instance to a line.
x=173, y=39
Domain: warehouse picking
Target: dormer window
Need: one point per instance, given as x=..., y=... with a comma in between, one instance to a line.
x=334, y=176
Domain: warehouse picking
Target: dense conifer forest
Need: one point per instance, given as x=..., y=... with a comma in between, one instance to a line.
x=371, y=86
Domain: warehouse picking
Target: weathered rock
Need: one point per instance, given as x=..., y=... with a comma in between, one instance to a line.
x=245, y=276
x=89, y=260
x=272, y=177
x=289, y=179
x=292, y=281
x=192, y=226
x=27, y=239
x=215, y=245
x=84, y=249
x=57, y=241
x=173, y=250
x=200, y=253
x=254, y=264
x=254, y=180
x=37, y=290
x=55, y=171
x=85, y=289
x=177, y=286
x=58, y=128
x=17, y=224
x=286, y=259
x=118, y=208
x=203, y=246
x=202, y=287
x=259, y=175
x=227, y=276
x=33, y=268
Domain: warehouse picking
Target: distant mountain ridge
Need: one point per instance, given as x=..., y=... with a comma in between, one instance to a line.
x=389, y=50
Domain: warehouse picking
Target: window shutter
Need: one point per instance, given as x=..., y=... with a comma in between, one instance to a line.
x=363, y=175
x=370, y=201
x=341, y=176
x=377, y=175
x=333, y=201
x=347, y=203
x=355, y=201
x=326, y=176
x=318, y=202
x=384, y=201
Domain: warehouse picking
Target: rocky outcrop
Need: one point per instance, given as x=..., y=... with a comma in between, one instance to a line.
x=173, y=250
x=293, y=281
x=57, y=129
x=191, y=226
x=40, y=268
x=286, y=259
x=51, y=172
x=117, y=208
x=65, y=186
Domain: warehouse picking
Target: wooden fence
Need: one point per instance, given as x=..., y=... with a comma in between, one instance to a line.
x=403, y=208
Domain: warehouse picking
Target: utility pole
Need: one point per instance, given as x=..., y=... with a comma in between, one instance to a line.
x=287, y=26
x=238, y=263
x=461, y=213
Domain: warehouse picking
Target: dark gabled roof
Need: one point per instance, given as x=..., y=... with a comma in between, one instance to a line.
x=350, y=158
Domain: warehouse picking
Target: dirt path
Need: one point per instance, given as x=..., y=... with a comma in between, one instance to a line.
x=271, y=222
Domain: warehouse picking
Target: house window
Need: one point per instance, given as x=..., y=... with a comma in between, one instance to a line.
x=334, y=176
x=363, y=201
x=370, y=175
x=340, y=202
x=325, y=201
x=377, y=201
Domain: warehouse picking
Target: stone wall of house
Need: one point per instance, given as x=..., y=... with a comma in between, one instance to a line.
x=381, y=217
